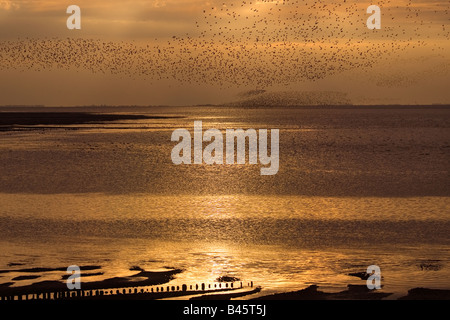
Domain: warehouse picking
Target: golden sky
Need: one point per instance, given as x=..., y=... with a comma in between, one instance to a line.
x=191, y=51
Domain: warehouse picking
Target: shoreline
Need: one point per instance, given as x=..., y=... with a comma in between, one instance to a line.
x=141, y=279
x=154, y=285
x=353, y=292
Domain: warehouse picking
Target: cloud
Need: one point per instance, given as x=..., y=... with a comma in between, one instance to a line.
x=8, y=5
x=159, y=3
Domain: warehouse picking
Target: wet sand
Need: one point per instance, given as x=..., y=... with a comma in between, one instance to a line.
x=357, y=292
x=40, y=270
x=140, y=279
x=122, y=288
x=427, y=294
x=353, y=292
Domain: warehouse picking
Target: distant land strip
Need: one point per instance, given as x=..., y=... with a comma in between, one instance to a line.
x=8, y=119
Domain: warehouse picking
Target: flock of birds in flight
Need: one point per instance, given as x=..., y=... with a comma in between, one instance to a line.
x=246, y=43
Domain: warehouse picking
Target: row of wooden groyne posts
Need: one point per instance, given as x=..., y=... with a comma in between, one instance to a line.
x=77, y=294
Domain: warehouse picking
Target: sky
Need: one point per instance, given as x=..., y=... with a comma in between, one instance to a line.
x=186, y=52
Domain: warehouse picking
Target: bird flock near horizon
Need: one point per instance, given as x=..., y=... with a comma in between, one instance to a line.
x=248, y=43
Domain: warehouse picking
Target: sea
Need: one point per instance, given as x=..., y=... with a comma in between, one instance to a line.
x=357, y=186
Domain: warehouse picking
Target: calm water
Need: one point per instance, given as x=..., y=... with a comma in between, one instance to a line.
x=356, y=187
